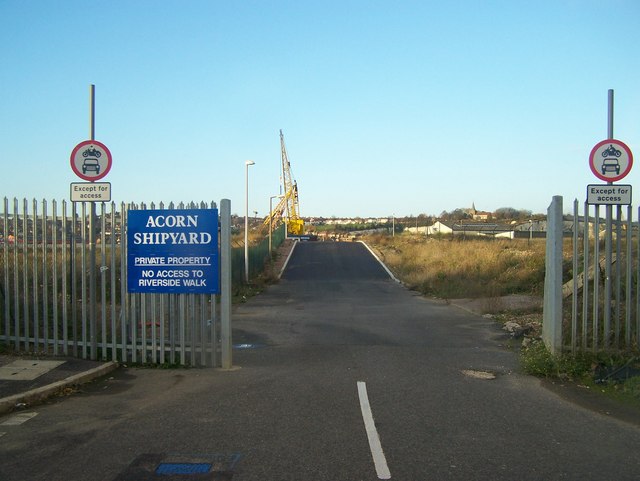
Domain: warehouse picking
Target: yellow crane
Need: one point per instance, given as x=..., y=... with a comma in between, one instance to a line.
x=288, y=209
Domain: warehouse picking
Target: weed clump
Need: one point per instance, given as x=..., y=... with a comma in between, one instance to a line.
x=616, y=376
x=632, y=388
x=538, y=361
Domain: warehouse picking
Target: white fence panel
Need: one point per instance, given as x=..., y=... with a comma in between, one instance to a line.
x=45, y=301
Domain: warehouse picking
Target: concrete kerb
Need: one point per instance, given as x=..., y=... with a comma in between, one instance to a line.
x=34, y=396
x=287, y=260
x=381, y=263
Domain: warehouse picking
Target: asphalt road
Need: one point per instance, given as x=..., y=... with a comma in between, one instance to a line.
x=343, y=374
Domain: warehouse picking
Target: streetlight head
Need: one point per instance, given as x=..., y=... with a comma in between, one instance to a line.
x=249, y=162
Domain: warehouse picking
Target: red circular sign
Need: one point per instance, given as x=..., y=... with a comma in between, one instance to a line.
x=610, y=160
x=91, y=160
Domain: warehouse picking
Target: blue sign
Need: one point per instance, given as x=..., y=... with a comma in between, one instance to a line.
x=173, y=251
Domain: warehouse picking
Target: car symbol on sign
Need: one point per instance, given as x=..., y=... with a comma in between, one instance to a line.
x=610, y=165
x=91, y=165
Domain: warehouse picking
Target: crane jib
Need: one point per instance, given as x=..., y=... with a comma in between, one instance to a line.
x=288, y=208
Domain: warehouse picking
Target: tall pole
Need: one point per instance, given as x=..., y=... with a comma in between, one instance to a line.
x=608, y=240
x=610, y=115
x=92, y=110
x=92, y=247
x=246, y=218
x=225, y=284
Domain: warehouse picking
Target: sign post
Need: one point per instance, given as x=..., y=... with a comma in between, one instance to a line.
x=610, y=160
x=91, y=161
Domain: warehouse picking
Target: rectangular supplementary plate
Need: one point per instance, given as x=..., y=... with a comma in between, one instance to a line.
x=609, y=194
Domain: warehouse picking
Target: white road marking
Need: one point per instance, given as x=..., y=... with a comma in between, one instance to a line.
x=18, y=419
x=381, y=263
x=372, y=433
x=286, y=262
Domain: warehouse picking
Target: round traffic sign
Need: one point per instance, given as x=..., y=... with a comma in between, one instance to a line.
x=91, y=160
x=610, y=160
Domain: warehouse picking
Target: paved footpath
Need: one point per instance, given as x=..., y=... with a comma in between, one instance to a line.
x=29, y=380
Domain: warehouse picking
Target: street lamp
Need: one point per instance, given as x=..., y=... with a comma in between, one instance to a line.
x=271, y=218
x=246, y=218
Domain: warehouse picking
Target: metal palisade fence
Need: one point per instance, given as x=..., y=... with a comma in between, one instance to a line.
x=605, y=289
x=258, y=254
x=602, y=293
x=47, y=305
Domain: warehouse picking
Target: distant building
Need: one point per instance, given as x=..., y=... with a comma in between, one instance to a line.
x=467, y=228
x=440, y=227
x=478, y=214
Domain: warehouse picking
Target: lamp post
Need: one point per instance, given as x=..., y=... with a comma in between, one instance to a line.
x=246, y=218
x=271, y=218
x=393, y=232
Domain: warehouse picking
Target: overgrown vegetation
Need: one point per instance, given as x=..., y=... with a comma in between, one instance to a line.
x=537, y=361
x=615, y=375
x=450, y=268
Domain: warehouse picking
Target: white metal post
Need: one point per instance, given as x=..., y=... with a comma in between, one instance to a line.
x=225, y=284
x=246, y=218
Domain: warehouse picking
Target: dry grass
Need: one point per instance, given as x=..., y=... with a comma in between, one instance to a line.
x=450, y=268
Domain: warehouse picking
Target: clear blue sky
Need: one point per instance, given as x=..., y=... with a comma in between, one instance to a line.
x=387, y=107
